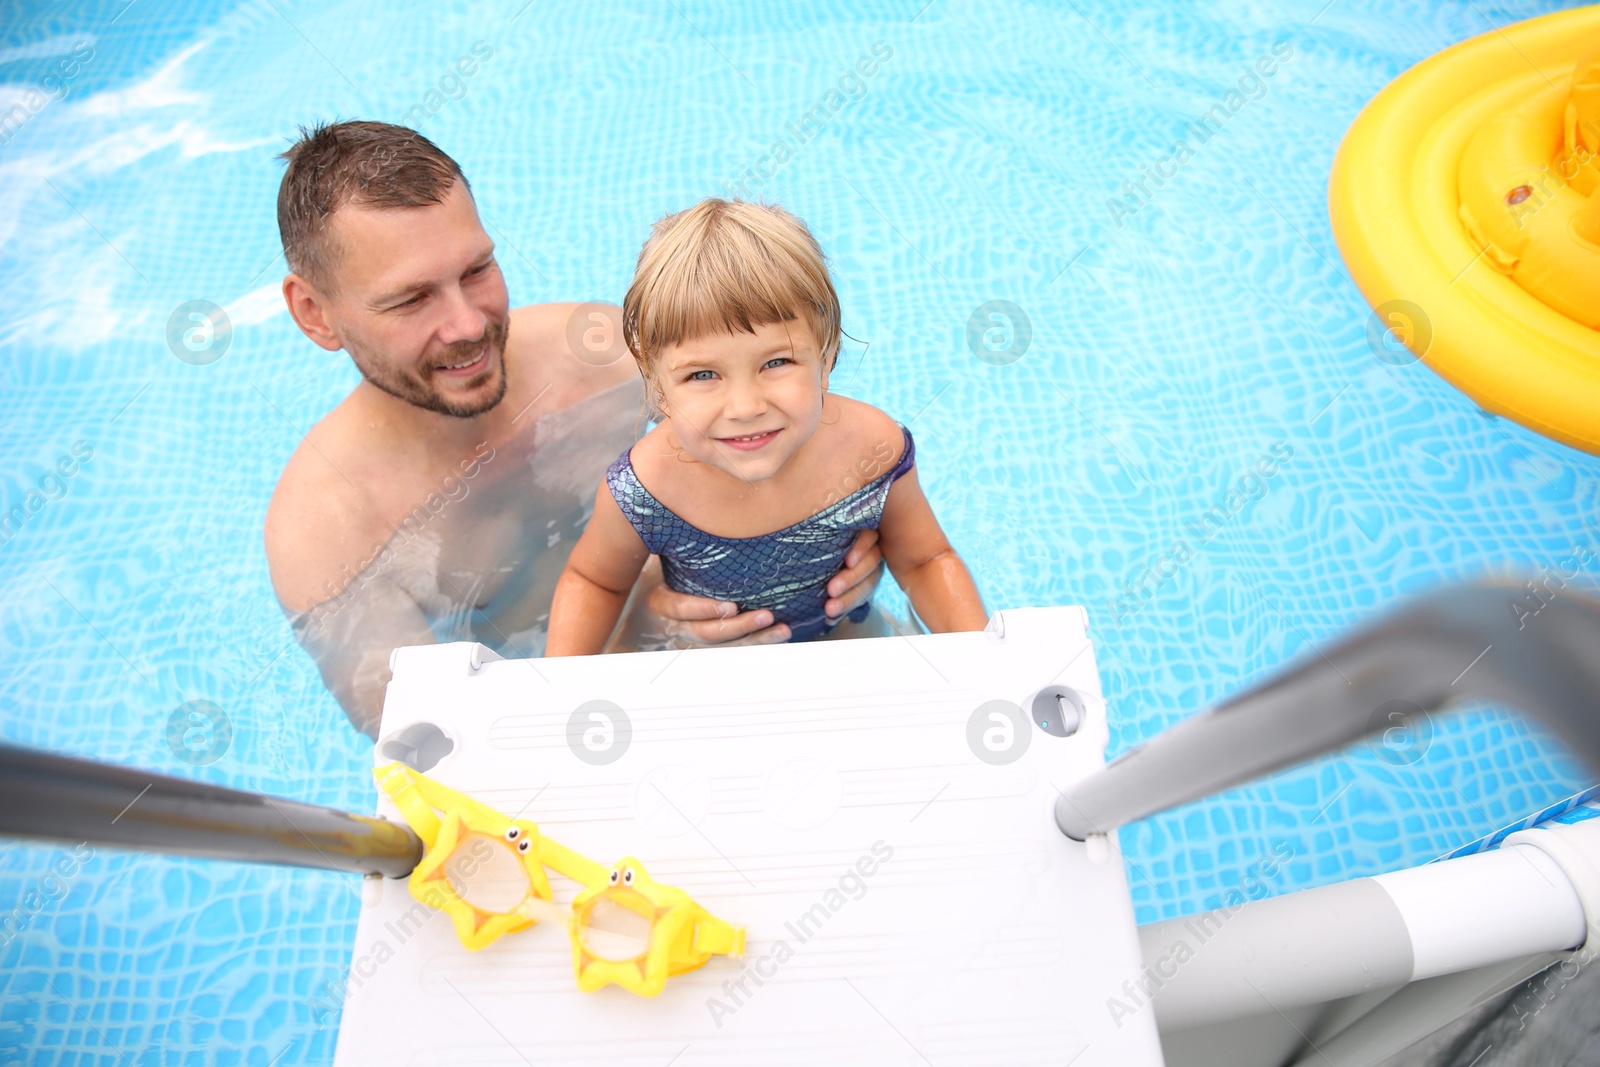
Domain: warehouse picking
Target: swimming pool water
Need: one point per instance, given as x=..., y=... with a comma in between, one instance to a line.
x=1148, y=354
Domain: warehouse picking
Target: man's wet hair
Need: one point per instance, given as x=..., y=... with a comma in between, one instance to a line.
x=368, y=164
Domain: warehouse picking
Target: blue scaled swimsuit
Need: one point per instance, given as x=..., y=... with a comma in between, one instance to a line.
x=786, y=572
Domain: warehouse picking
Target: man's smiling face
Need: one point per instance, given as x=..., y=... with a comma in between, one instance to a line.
x=420, y=303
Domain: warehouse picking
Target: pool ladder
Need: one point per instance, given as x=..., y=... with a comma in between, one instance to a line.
x=1349, y=974
x=1355, y=970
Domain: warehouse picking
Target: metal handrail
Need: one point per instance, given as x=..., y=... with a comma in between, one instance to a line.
x=1466, y=642
x=1462, y=643
x=61, y=798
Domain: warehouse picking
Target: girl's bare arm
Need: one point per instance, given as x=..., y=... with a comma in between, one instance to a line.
x=922, y=561
x=595, y=584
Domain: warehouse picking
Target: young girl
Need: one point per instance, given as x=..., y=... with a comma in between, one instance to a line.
x=755, y=482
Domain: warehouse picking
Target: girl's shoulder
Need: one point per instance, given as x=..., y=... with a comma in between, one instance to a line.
x=867, y=432
x=646, y=454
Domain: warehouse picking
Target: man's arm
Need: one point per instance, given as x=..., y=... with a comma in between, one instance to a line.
x=327, y=557
x=350, y=639
x=858, y=579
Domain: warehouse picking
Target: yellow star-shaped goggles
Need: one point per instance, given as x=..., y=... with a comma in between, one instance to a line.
x=487, y=872
x=637, y=933
x=479, y=867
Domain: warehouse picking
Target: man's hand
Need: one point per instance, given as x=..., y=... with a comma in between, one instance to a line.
x=690, y=621
x=686, y=621
x=858, y=579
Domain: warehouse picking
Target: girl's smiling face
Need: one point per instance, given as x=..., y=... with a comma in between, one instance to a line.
x=744, y=403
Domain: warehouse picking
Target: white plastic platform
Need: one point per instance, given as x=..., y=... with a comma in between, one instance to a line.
x=764, y=781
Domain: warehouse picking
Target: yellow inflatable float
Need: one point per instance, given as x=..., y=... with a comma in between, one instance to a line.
x=1464, y=199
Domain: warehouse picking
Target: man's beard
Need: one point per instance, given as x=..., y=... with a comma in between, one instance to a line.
x=403, y=385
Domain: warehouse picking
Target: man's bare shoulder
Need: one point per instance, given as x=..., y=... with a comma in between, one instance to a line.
x=319, y=526
x=541, y=324
x=576, y=343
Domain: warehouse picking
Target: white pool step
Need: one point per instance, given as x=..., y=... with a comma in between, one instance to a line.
x=757, y=779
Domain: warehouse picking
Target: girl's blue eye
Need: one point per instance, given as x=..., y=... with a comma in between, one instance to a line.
x=779, y=359
x=695, y=377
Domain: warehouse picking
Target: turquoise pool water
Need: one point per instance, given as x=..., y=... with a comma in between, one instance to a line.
x=1172, y=341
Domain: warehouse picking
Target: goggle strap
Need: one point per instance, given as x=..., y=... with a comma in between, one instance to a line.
x=540, y=910
x=586, y=872
x=420, y=798
x=712, y=935
x=404, y=787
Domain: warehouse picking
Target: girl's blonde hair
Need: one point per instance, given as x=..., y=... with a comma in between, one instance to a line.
x=726, y=265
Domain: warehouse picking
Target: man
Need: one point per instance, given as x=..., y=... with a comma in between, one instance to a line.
x=439, y=500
